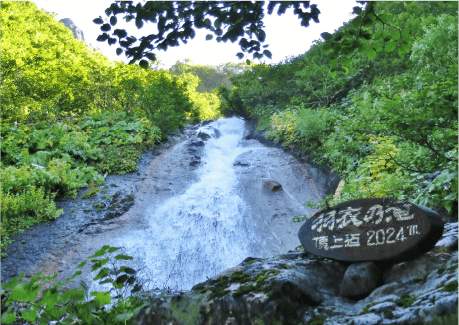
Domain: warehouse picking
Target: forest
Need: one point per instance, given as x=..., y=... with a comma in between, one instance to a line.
x=384, y=119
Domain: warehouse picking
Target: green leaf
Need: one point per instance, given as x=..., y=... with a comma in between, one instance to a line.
x=384, y=17
x=401, y=53
x=247, y=62
x=151, y=57
x=105, y=27
x=99, y=263
x=100, y=252
x=357, y=10
x=405, y=47
x=82, y=264
x=102, y=273
x=139, y=23
x=346, y=62
x=113, y=249
x=326, y=36
x=98, y=21
x=128, y=270
x=9, y=316
x=390, y=46
x=396, y=35
x=123, y=257
x=371, y=53
x=378, y=46
x=357, y=21
x=144, y=64
x=113, y=20
x=119, y=50
x=30, y=315
x=103, y=298
x=261, y=36
x=240, y=55
x=209, y=37
x=124, y=317
x=405, y=33
x=267, y=53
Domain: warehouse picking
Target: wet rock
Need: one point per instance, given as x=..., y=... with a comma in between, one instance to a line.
x=118, y=206
x=446, y=306
x=449, y=238
x=271, y=185
x=241, y=163
x=360, y=279
x=203, y=136
x=299, y=288
x=196, y=160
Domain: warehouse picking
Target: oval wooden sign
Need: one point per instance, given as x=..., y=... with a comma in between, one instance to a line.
x=375, y=229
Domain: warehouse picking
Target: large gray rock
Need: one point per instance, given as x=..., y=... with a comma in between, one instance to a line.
x=299, y=288
x=360, y=279
x=77, y=32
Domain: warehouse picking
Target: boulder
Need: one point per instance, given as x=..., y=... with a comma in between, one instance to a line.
x=300, y=288
x=271, y=185
x=360, y=279
x=77, y=32
x=374, y=229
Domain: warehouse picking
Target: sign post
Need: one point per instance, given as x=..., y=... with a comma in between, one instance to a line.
x=375, y=229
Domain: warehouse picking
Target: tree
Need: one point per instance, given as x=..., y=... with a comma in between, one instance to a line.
x=176, y=20
x=243, y=20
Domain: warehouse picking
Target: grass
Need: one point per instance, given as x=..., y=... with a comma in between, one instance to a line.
x=93, y=189
x=406, y=300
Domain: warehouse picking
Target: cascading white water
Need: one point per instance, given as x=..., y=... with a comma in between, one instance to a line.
x=203, y=231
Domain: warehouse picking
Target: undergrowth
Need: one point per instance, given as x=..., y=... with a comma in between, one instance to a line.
x=43, y=301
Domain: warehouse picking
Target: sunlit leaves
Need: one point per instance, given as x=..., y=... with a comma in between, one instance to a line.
x=390, y=46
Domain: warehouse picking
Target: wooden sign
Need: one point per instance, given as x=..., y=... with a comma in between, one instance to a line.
x=374, y=229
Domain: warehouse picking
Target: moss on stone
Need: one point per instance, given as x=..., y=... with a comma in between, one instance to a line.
x=201, y=288
x=285, y=266
x=246, y=289
x=406, y=300
x=219, y=290
x=450, y=287
x=366, y=309
x=240, y=277
x=186, y=310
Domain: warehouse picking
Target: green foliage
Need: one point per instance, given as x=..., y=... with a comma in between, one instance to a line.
x=389, y=126
x=283, y=127
x=210, y=77
x=314, y=125
x=44, y=301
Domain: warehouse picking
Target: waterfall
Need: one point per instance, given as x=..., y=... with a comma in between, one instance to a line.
x=196, y=235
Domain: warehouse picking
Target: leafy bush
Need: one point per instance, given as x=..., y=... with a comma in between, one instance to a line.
x=41, y=306
x=283, y=127
x=314, y=126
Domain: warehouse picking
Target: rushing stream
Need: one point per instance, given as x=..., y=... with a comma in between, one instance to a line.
x=202, y=231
